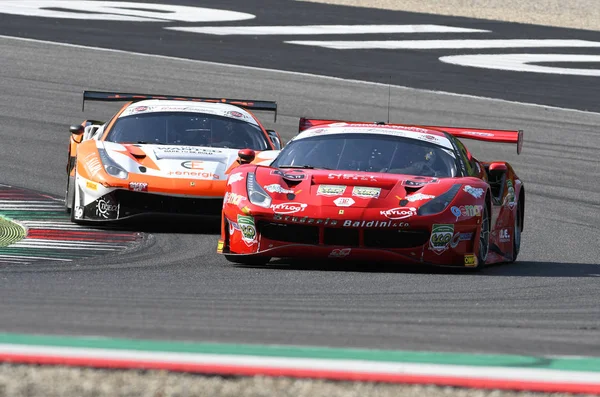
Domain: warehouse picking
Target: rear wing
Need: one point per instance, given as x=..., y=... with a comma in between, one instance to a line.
x=498, y=136
x=479, y=134
x=249, y=104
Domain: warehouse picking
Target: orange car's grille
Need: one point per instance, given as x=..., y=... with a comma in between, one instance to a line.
x=133, y=203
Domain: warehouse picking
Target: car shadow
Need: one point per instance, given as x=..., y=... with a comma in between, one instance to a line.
x=167, y=224
x=517, y=269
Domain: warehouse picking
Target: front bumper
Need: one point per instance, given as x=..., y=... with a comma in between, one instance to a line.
x=97, y=204
x=376, y=244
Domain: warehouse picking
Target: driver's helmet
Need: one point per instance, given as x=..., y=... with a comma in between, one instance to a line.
x=192, y=131
x=413, y=155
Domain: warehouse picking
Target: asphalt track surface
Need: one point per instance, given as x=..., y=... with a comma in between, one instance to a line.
x=418, y=68
x=178, y=288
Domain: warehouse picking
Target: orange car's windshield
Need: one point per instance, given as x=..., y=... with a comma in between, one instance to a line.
x=189, y=129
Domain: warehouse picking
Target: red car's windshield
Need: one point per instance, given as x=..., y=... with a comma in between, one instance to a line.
x=190, y=129
x=371, y=153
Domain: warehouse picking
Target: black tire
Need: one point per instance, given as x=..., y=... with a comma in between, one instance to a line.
x=484, y=238
x=69, y=194
x=518, y=228
x=248, y=260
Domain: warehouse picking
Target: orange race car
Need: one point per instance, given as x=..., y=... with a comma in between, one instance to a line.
x=162, y=154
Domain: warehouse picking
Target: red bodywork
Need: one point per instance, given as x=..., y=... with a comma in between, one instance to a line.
x=375, y=217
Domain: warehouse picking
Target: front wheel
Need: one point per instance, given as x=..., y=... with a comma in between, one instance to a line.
x=484, y=237
x=518, y=227
x=69, y=194
x=248, y=260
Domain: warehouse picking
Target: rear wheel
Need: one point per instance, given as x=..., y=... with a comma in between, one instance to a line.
x=484, y=237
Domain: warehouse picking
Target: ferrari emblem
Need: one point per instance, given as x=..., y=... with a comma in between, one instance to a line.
x=192, y=184
x=341, y=212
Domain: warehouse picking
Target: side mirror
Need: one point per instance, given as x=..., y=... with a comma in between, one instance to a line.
x=275, y=138
x=246, y=156
x=76, y=129
x=498, y=167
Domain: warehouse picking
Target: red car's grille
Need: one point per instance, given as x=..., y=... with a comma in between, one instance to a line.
x=345, y=237
x=381, y=238
x=301, y=234
x=372, y=238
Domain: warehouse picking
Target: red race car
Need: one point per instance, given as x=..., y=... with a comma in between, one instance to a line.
x=376, y=191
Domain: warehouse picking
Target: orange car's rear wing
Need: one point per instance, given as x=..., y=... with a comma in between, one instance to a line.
x=249, y=104
x=499, y=136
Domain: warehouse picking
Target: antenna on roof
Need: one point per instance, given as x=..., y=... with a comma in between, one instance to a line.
x=389, y=97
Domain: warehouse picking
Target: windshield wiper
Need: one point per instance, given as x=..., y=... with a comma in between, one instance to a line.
x=151, y=143
x=305, y=167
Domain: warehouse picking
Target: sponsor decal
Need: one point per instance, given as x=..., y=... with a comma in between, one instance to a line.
x=455, y=240
x=234, y=113
x=317, y=131
x=343, y=201
x=441, y=235
x=456, y=212
x=349, y=223
x=340, y=252
x=106, y=209
x=466, y=236
x=331, y=190
x=92, y=163
x=366, y=192
x=354, y=177
x=78, y=212
x=419, y=181
x=220, y=245
x=458, y=237
x=193, y=165
x=418, y=197
x=140, y=109
x=470, y=260
x=334, y=222
x=294, y=175
x=399, y=212
x=276, y=188
x=246, y=224
x=305, y=219
x=189, y=150
x=477, y=133
x=91, y=185
x=235, y=199
x=467, y=211
x=233, y=178
x=504, y=236
x=233, y=226
x=198, y=174
x=288, y=208
x=510, y=195
x=476, y=192
x=138, y=186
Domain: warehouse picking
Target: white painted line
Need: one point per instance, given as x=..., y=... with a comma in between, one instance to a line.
x=523, y=62
x=67, y=243
x=447, y=44
x=28, y=201
x=347, y=365
x=30, y=244
x=34, y=257
x=290, y=73
x=323, y=29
